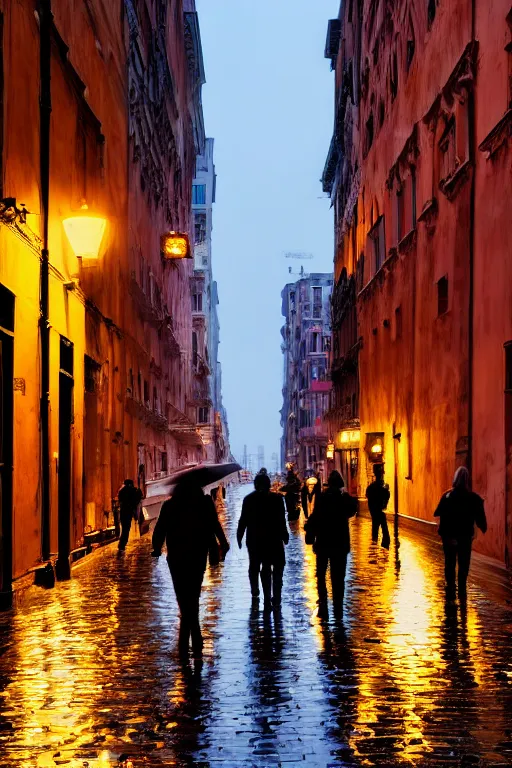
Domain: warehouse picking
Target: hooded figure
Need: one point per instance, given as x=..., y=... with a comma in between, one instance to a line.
x=378, y=494
x=328, y=530
x=310, y=494
x=189, y=525
x=129, y=499
x=459, y=510
x=263, y=518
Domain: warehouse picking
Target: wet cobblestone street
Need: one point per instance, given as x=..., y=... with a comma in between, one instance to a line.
x=89, y=671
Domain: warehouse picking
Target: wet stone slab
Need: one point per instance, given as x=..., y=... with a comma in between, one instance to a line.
x=89, y=674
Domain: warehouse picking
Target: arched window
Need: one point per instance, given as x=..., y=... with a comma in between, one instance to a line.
x=194, y=348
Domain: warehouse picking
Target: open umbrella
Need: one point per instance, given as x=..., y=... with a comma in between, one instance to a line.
x=204, y=474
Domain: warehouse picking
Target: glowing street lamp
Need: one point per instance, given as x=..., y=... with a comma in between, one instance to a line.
x=175, y=245
x=85, y=233
x=329, y=454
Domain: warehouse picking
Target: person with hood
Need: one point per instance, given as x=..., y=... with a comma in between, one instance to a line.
x=310, y=494
x=291, y=491
x=129, y=499
x=459, y=510
x=263, y=520
x=378, y=495
x=189, y=525
x=327, y=529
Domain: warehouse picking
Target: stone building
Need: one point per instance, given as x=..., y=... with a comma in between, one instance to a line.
x=417, y=170
x=101, y=108
x=207, y=395
x=306, y=306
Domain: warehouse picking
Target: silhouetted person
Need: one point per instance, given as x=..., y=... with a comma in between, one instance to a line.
x=328, y=530
x=189, y=525
x=459, y=510
x=263, y=518
x=129, y=499
x=310, y=494
x=378, y=494
x=291, y=491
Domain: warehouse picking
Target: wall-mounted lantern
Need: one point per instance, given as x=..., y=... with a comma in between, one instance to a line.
x=350, y=438
x=85, y=233
x=329, y=454
x=375, y=446
x=175, y=245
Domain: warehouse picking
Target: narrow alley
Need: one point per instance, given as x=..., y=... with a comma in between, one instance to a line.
x=89, y=674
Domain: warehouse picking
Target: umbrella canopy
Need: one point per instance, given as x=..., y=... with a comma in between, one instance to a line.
x=204, y=474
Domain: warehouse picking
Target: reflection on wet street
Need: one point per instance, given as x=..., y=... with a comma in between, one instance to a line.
x=89, y=671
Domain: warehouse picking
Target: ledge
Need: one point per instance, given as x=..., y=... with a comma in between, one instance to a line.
x=501, y=133
x=452, y=184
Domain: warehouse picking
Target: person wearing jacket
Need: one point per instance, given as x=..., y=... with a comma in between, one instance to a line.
x=378, y=495
x=327, y=529
x=291, y=491
x=310, y=494
x=263, y=521
x=459, y=510
x=129, y=499
x=189, y=525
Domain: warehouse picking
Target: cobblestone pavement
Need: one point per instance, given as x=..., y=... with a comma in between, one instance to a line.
x=89, y=671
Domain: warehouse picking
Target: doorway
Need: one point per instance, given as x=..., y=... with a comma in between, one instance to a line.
x=508, y=454
x=6, y=443
x=66, y=384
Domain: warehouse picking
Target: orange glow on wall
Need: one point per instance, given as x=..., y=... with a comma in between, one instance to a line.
x=85, y=233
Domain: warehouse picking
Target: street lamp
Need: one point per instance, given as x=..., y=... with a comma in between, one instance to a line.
x=175, y=245
x=85, y=233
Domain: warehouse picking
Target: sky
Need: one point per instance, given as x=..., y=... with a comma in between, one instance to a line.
x=268, y=103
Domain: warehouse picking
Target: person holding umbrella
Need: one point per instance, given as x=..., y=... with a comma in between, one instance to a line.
x=189, y=525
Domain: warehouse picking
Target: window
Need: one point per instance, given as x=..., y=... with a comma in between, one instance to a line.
x=317, y=302
x=400, y=207
x=66, y=356
x=146, y=393
x=198, y=194
x=431, y=11
x=314, y=373
x=91, y=375
x=326, y=343
x=203, y=414
x=378, y=241
x=129, y=383
x=163, y=461
x=195, y=355
x=394, y=77
x=199, y=228
x=6, y=308
x=197, y=302
x=398, y=323
x=508, y=366
x=442, y=296
x=413, y=198
x=410, y=53
x=315, y=342
x=156, y=405
x=448, y=151
x=369, y=133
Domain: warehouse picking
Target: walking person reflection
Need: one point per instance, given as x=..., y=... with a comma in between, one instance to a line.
x=459, y=510
x=263, y=518
x=378, y=495
x=328, y=531
x=189, y=525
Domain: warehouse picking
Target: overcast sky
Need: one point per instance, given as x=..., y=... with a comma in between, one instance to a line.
x=268, y=103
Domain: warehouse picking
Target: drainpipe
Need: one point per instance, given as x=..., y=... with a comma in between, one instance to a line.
x=45, y=108
x=472, y=150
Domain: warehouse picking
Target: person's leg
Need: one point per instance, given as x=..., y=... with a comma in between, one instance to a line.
x=195, y=628
x=266, y=583
x=277, y=584
x=375, y=526
x=386, y=539
x=464, y=558
x=321, y=570
x=126, y=524
x=450, y=557
x=254, y=574
x=338, y=568
x=181, y=588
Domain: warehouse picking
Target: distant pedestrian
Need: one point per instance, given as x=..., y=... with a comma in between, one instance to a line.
x=327, y=529
x=310, y=494
x=263, y=519
x=459, y=510
x=378, y=495
x=189, y=525
x=129, y=499
x=291, y=491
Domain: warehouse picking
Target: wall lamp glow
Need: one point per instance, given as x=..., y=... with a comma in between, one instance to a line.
x=85, y=233
x=175, y=245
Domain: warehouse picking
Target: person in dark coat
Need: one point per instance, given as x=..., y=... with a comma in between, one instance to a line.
x=310, y=494
x=263, y=519
x=291, y=491
x=327, y=529
x=459, y=510
x=129, y=499
x=189, y=525
x=378, y=494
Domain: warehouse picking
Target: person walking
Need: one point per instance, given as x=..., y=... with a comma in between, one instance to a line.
x=189, y=525
x=459, y=510
x=327, y=529
x=129, y=499
x=378, y=495
x=310, y=494
x=291, y=491
x=263, y=519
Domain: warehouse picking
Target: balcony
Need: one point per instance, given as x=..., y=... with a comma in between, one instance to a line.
x=315, y=434
x=200, y=367
x=149, y=311
x=169, y=340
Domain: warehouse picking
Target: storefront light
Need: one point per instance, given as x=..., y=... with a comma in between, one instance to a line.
x=330, y=451
x=376, y=449
x=175, y=245
x=85, y=233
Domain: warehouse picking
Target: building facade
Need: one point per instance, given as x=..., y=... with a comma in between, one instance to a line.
x=420, y=149
x=206, y=368
x=306, y=306
x=95, y=338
